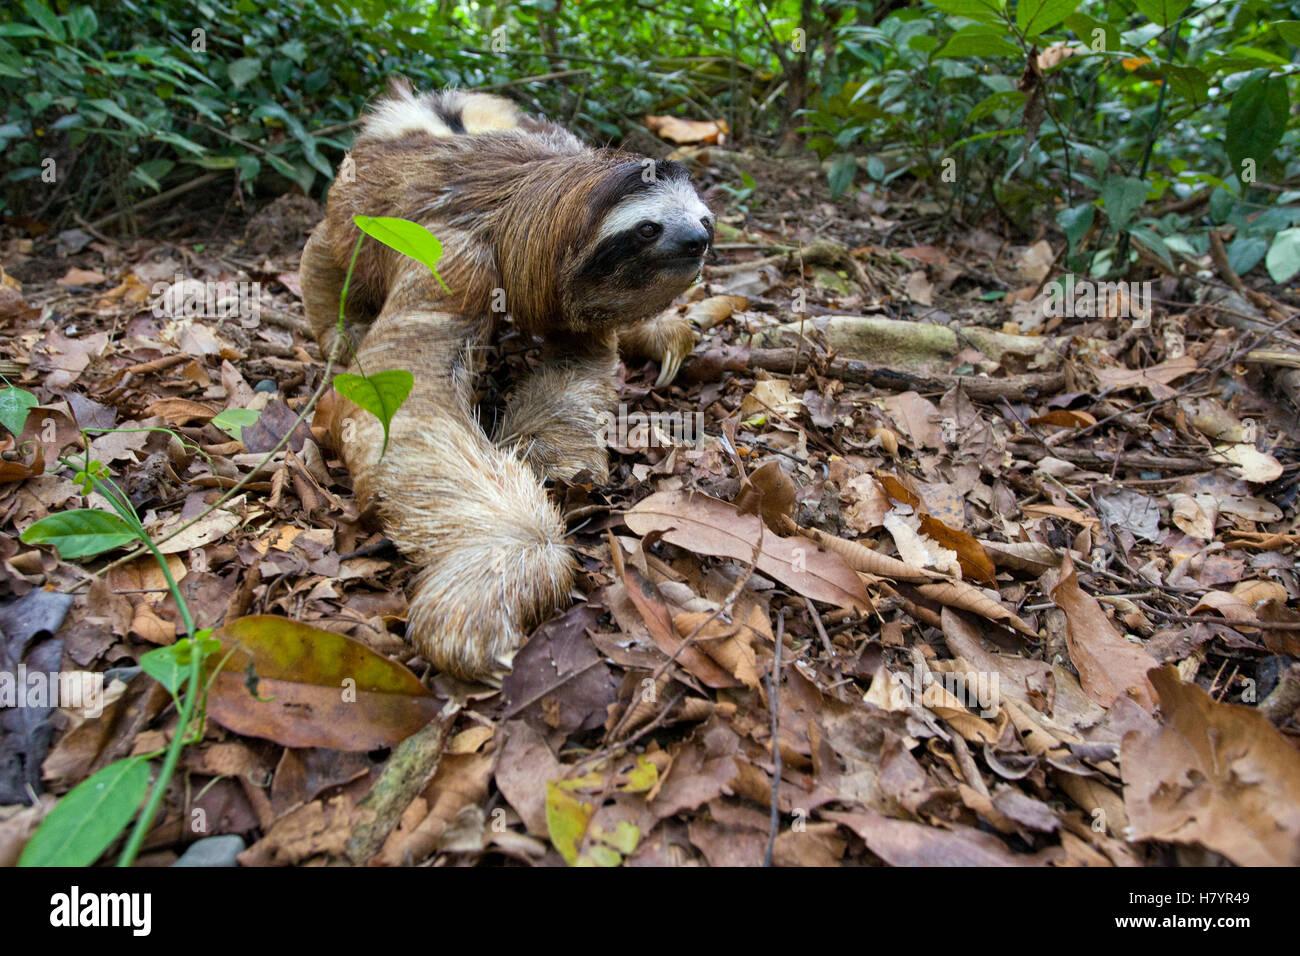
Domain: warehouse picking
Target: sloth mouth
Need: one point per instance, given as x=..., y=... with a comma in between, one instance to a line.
x=681, y=262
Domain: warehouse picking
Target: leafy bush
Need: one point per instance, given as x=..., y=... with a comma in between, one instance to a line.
x=1122, y=106
x=1103, y=113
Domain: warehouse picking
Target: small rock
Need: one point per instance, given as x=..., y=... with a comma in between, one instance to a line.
x=213, y=851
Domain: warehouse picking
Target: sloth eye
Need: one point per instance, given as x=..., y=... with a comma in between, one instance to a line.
x=649, y=230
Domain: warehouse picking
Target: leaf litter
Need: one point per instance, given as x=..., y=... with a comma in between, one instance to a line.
x=1032, y=579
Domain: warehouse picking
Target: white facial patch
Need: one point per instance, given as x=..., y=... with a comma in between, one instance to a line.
x=669, y=202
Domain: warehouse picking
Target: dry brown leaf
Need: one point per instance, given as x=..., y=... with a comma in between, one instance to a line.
x=728, y=644
x=1216, y=774
x=75, y=276
x=709, y=526
x=179, y=411
x=1032, y=556
x=677, y=130
x=863, y=559
x=1155, y=378
x=660, y=625
x=903, y=843
x=1109, y=666
x=715, y=310
x=1250, y=463
x=967, y=597
x=1064, y=418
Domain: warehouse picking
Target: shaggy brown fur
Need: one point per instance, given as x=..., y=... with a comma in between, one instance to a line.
x=557, y=235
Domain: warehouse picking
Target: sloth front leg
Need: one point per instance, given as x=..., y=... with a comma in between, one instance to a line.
x=479, y=520
x=554, y=420
x=666, y=338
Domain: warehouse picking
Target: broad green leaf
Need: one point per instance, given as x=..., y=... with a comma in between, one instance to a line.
x=46, y=17
x=1004, y=99
x=81, y=533
x=1256, y=119
x=988, y=11
x=20, y=30
x=170, y=666
x=977, y=40
x=243, y=71
x=840, y=176
x=1189, y=83
x=1076, y=222
x=14, y=405
x=1096, y=36
x=82, y=22
x=233, y=421
x=1151, y=240
x=89, y=817
x=1244, y=253
x=1288, y=30
x=380, y=394
x=176, y=139
x=1283, y=259
x=409, y=238
x=115, y=111
x=1035, y=16
x=1123, y=197
x=1163, y=12
x=642, y=777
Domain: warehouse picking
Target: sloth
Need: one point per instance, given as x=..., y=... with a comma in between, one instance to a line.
x=581, y=248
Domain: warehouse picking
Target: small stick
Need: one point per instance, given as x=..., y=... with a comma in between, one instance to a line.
x=773, y=690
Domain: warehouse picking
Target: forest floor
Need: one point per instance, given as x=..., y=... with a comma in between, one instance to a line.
x=1030, y=579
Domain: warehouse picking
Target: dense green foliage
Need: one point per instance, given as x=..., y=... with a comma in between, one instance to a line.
x=1162, y=99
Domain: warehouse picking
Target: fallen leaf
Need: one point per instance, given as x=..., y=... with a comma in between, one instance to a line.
x=1216, y=774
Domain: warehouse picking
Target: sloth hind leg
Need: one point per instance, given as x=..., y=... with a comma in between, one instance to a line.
x=473, y=514
x=554, y=421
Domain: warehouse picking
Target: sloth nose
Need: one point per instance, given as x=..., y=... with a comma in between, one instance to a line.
x=692, y=241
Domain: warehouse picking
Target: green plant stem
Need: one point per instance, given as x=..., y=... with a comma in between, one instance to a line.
x=145, y=819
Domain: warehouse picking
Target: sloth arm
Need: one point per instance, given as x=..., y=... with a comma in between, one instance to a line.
x=554, y=418
x=322, y=285
x=667, y=338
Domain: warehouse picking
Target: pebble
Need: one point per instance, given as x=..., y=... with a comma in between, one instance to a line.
x=213, y=851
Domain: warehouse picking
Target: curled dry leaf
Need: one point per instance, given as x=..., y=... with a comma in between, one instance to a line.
x=727, y=643
x=1250, y=463
x=967, y=597
x=1109, y=666
x=1216, y=774
x=1232, y=606
x=770, y=492
x=678, y=130
x=180, y=411
x=863, y=559
x=715, y=310
x=660, y=625
x=1032, y=556
x=709, y=526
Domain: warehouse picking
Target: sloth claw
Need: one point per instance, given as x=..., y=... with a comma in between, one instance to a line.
x=669, y=367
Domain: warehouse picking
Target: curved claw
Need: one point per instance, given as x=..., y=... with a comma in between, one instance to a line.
x=668, y=368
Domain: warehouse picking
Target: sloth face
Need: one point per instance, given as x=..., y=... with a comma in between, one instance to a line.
x=650, y=232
